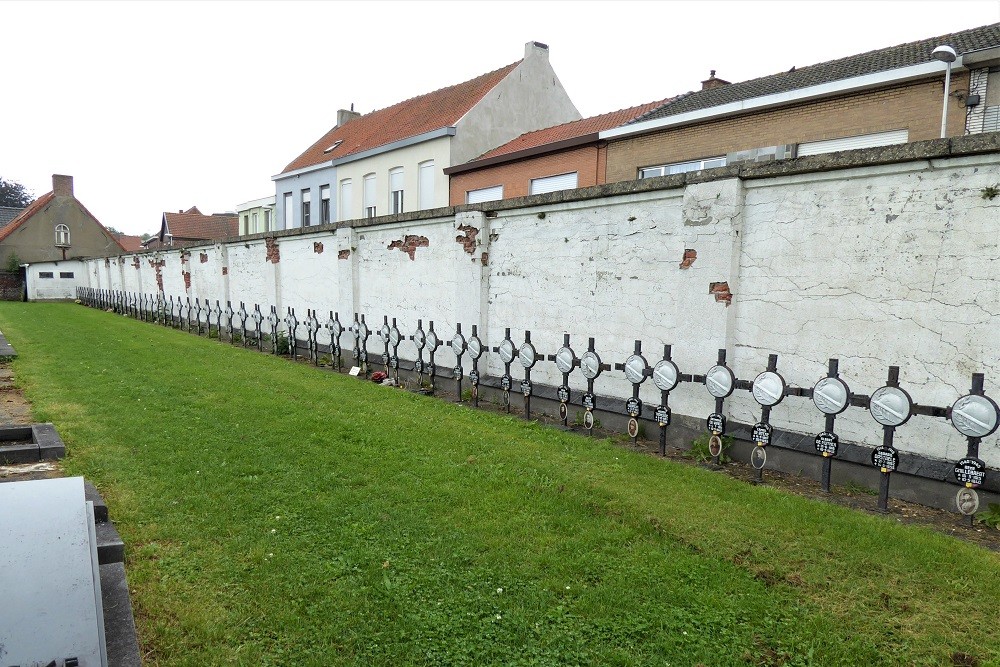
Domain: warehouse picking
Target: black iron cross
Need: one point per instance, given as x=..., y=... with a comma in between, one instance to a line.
x=592, y=367
x=394, y=340
x=335, y=328
x=272, y=320
x=565, y=360
x=528, y=356
x=666, y=375
x=886, y=457
x=475, y=347
x=716, y=421
x=767, y=396
x=827, y=397
x=361, y=333
x=636, y=371
x=292, y=323
x=506, y=356
x=458, y=346
x=258, y=319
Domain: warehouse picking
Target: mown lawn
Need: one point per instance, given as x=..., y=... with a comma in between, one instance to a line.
x=278, y=514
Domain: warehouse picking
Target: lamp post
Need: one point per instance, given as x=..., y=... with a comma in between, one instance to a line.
x=947, y=55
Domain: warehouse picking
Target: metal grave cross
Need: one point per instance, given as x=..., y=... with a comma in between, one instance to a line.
x=383, y=334
x=419, y=339
x=720, y=382
x=433, y=343
x=361, y=334
x=292, y=324
x=891, y=407
x=831, y=396
x=229, y=322
x=475, y=347
x=457, y=346
x=217, y=311
x=335, y=328
x=768, y=389
x=636, y=370
x=242, y=315
x=666, y=375
x=312, y=327
x=272, y=321
x=506, y=350
x=592, y=367
x=528, y=356
x=975, y=416
x=566, y=361
x=258, y=320
x=394, y=339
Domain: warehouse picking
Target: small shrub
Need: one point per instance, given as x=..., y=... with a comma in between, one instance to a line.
x=699, y=449
x=467, y=394
x=990, y=517
x=990, y=192
x=283, y=346
x=234, y=337
x=325, y=360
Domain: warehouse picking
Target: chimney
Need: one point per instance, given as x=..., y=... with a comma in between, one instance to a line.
x=712, y=82
x=536, y=49
x=62, y=186
x=343, y=115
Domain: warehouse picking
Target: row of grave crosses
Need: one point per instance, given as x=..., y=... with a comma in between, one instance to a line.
x=974, y=415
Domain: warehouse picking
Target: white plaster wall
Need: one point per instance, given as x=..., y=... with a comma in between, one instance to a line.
x=877, y=266
x=206, y=275
x=408, y=158
x=309, y=277
x=251, y=276
x=56, y=287
x=390, y=284
x=612, y=272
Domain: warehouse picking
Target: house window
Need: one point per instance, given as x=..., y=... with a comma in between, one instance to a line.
x=288, y=210
x=65, y=274
x=324, y=205
x=553, y=183
x=267, y=219
x=44, y=274
x=246, y=224
x=256, y=222
x=426, y=172
x=484, y=194
x=62, y=236
x=306, y=207
x=396, y=190
x=682, y=167
x=850, y=143
x=345, y=199
x=368, y=194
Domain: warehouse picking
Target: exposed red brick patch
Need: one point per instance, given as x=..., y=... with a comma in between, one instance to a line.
x=344, y=254
x=409, y=244
x=158, y=265
x=721, y=292
x=225, y=270
x=187, y=279
x=485, y=259
x=690, y=254
x=468, y=238
x=204, y=258
x=318, y=247
x=135, y=262
x=273, y=255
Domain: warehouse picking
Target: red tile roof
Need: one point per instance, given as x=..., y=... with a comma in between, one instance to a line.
x=38, y=205
x=432, y=111
x=129, y=242
x=571, y=130
x=32, y=209
x=196, y=226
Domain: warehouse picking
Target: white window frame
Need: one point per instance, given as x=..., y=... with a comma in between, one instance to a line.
x=267, y=219
x=369, y=184
x=289, y=213
x=306, y=207
x=425, y=184
x=325, y=214
x=682, y=167
x=62, y=236
x=396, y=187
x=346, y=191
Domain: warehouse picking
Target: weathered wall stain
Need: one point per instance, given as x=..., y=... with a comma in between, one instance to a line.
x=409, y=244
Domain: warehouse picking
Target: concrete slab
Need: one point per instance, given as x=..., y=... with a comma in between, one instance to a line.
x=110, y=548
x=6, y=349
x=120, y=635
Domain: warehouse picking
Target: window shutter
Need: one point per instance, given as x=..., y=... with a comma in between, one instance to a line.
x=427, y=185
x=850, y=143
x=553, y=183
x=485, y=194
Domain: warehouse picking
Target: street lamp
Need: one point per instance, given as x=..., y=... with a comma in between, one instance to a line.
x=947, y=55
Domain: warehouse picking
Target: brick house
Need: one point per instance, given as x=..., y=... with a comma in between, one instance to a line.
x=565, y=156
x=192, y=227
x=390, y=161
x=888, y=96
x=55, y=227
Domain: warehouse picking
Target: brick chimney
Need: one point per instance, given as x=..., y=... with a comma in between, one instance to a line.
x=712, y=82
x=343, y=115
x=62, y=186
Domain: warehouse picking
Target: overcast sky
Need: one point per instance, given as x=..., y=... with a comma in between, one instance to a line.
x=161, y=106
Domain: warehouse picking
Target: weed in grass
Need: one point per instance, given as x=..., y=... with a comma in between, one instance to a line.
x=283, y=346
x=991, y=516
x=700, y=453
x=853, y=488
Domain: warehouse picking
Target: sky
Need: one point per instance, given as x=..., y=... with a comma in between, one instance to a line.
x=156, y=107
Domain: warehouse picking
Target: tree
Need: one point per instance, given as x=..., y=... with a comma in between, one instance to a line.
x=113, y=231
x=14, y=194
x=146, y=237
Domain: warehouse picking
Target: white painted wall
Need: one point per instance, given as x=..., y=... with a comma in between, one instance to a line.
x=876, y=266
x=56, y=287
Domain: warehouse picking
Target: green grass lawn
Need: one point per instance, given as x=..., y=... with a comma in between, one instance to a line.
x=278, y=514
